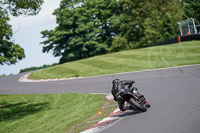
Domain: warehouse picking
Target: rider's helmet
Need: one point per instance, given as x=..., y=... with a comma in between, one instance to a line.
x=115, y=81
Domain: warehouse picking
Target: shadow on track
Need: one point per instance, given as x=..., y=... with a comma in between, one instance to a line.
x=127, y=113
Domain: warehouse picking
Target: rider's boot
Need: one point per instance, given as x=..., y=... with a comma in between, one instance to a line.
x=121, y=103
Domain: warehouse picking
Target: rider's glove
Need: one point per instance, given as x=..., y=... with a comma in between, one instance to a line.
x=121, y=93
x=132, y=81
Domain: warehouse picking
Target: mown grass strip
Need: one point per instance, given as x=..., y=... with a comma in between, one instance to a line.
x=46, y=113
x=186, y=53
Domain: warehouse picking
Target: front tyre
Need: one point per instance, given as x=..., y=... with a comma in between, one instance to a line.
x=137, y=105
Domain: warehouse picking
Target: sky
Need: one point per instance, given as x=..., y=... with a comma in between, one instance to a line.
x=27, y=34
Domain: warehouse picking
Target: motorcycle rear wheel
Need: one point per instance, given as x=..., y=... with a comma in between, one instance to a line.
x=137, y=105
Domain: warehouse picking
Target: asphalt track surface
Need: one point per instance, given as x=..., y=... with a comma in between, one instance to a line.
x=174, y=94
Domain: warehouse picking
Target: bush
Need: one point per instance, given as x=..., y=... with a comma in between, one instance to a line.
x=3, y=75
x=119, y=44
x=36, y=68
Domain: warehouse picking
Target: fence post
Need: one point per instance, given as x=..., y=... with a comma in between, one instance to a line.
x=179, y=39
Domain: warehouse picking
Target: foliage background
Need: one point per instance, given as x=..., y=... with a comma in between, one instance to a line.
x=94, y=27
x=10, y=53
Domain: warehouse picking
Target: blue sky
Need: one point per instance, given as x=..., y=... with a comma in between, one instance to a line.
x=27, y=34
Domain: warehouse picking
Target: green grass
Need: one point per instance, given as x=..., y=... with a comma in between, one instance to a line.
x=47, y=113
x=186, y=53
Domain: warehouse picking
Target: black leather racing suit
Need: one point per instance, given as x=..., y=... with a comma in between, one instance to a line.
x=117, y=88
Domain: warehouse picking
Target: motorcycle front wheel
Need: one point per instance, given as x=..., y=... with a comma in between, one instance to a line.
x=137, y=105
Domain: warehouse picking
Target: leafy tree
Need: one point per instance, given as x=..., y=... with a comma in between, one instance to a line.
x=148, y=22
x=85, y=29
x=10, y=52
x=161, y=24
x=132, y=19
x=192, y=9
x=92, y=27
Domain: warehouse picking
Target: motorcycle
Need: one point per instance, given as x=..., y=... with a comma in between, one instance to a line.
x=134, y=100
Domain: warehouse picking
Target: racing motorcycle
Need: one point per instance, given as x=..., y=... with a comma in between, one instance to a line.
x=134, y=100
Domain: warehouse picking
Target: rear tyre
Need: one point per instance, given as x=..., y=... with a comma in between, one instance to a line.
x=137, y=105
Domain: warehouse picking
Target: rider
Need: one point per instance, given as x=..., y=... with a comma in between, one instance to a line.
x=118, y=88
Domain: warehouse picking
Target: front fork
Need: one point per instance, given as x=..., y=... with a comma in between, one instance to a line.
x=141, y=100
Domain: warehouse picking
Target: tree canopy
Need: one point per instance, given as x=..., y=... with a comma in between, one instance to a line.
x=192, y=9
x=10, y=52
x=148, y=22
x=92, y=27
x=85, y=29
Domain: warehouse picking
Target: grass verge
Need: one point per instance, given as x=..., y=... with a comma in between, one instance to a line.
x=186, y=53
x=44, y=113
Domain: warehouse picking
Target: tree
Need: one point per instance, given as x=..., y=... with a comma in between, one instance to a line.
x=19, y=7
x=92, y=27
x=148, y=22
x=192, y=9
x=161, y=24
x=10, y=52
x=85, y=28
